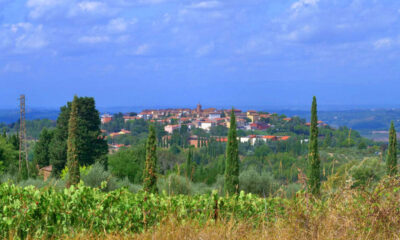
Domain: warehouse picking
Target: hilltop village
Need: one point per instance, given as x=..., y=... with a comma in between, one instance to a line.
x=261, y=126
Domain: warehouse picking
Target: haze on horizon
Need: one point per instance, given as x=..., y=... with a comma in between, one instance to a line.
x=219, y=53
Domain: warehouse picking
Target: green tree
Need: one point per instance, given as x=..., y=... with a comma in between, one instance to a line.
x=392, y=152
x=73, y=150
x=314, y=172
x=189, y=163
x=93, y=146
x=231, y=184
x=41, y=150
x=150, y=175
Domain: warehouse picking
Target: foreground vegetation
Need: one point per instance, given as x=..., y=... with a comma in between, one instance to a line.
x=82, y=212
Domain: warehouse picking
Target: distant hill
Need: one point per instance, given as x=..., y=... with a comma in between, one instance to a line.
x=12, y=115
x=368, y=122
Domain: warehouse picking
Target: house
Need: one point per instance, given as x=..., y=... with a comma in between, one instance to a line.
x=170, y=128
x=259, y=126
x=214, y=115
x=146, y=115
x=106, y=118
x=206, y=125
x=45, y=172
x=122, y=132
x=130, y=118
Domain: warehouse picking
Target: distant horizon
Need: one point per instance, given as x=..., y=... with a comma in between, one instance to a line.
x=326, y=107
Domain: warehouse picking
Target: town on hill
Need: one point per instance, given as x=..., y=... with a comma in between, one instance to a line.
x=263, y=126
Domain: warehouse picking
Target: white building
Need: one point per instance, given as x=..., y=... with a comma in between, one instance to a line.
x=207, y=125
x=214, y=115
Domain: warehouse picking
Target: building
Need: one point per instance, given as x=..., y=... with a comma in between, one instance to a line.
x=45, y=172
x=106, y=118
x=214, y=115
x=206, y=125
x=170, y=128
x=259, y=126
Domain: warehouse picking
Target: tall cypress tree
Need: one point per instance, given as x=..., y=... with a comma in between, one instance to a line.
x=149, y=175
x=392, y=152
x=73, y=145
x=314, y=172
x=189, y=161
x=232, y=159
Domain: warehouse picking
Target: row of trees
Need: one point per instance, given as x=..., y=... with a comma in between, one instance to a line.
x=84, y=146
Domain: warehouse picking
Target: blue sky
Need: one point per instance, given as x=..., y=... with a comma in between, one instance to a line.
x=217, y=52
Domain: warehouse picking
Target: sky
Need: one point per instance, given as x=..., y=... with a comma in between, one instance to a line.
x=216, y=52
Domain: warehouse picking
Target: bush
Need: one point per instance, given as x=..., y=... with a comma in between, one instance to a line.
x=97, y=175
x=252, y=181
x=38, y=183
x=125, y=183
x=369, y=171
x=8, y=177
x=200, y=188
x=174, y=184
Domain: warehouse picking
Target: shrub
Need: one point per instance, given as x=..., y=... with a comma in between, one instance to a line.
x=174, y=184
x=38, y=183
x=252, y=181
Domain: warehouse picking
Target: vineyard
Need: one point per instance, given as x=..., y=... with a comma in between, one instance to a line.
x=346, y=214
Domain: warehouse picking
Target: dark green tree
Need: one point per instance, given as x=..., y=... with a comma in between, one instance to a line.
x=231, y=184
x=392, y=152
x=73, y=144
x=42, y=150
x=93, y=146
x=314, y=171
x=150, y=174
x=189, y=163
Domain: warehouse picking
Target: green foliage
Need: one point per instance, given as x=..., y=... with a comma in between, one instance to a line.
x=8, y=156
x=314, y=173
x=232, y=159
x=150, y=170
x=92, y=145
x=189, y=164
x=252, y=181
x=42, y=150
x=367, y=172
x=74, y=146
x=392, y=152
x=47, y=213
x=129, y=163
x=174, y=184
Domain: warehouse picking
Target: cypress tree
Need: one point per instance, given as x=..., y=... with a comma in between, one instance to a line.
x=392, y=152
x=149, y=175
x=189, y=161
x=314, y=173
x=72, y=145
x=232, y=159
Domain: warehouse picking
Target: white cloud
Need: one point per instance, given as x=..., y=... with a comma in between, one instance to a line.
x=23, y=37
x=94, y=39
x=205, y=5
x=142, y=49
x=15, y=67
x=39, y=7
x=303, y=3
x=119, y=24
x=205, y=50
x=383, y=43
x=151, y=1
x=91, y=6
